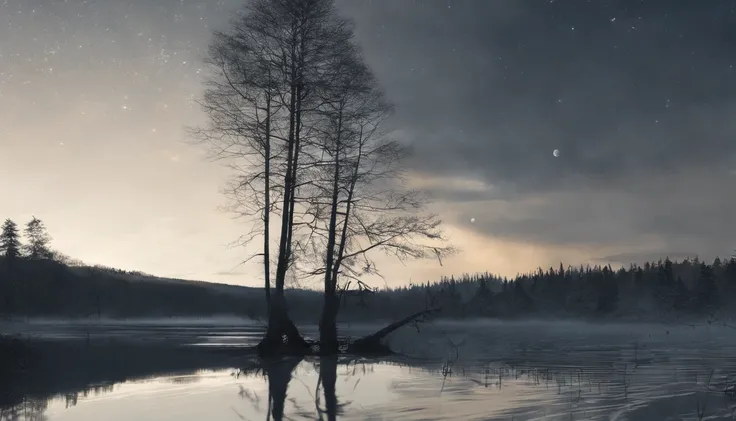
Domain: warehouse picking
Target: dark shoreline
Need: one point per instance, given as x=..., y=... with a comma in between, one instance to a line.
x=41, y=367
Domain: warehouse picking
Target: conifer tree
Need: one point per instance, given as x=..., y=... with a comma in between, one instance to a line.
x=10, y=240
x=38, y=240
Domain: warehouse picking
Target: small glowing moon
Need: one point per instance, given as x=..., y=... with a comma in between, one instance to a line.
x=556, y=153
x=472, y=220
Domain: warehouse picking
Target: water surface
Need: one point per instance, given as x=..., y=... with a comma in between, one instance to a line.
x=481, y=370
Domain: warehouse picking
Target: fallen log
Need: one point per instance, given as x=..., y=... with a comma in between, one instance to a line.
x=371, y=344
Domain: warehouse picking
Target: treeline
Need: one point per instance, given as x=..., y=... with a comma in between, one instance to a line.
x=36, y=281
x=656, y=291
x=51, y=289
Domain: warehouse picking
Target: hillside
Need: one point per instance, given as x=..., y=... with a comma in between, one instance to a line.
x=135, y=276
x=47, y=288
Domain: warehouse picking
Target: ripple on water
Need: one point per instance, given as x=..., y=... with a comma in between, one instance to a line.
x=470, y=373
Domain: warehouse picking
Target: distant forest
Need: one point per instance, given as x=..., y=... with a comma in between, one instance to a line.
x=36, y=281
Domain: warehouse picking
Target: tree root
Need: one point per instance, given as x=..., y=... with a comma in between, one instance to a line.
x=273, y=344
x=282, y=339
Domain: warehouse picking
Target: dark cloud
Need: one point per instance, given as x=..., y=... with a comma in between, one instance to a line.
x=637, y=95
x=647, y=92
x=667, y=214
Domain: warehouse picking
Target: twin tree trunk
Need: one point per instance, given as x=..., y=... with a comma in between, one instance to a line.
x=295, y=60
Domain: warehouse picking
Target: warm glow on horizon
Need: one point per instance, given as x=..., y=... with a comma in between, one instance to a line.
x=95, y=97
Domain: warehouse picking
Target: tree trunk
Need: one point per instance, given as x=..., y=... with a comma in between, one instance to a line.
x=328, y=321
x=286, y=215
x=328, y=344
x=267, y=207
x=282, y=336
x=295, y=166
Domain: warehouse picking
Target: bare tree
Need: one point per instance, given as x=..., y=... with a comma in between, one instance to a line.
x=297, y=115
x=359, y=206
x=262, y=101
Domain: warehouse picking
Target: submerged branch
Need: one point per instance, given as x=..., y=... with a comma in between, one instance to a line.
x=371, y=343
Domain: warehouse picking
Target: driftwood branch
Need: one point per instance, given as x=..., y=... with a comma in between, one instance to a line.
x=372, y=342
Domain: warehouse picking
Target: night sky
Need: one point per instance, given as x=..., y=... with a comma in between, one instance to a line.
x=638, y=96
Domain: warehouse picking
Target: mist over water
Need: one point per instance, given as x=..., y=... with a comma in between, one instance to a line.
x=478, y=369
x=103, y=321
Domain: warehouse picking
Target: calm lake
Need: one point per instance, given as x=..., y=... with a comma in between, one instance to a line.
x=479, y=370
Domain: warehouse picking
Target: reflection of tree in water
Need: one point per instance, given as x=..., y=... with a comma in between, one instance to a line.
x=578, y=388
x=328, y=379
x=279, y=375
x=71, y=399
x=185, y=379
x=33, y=408
x=28, y=410
x=608, y=381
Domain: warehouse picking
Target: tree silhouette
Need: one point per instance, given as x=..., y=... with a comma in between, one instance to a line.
x=357, y=207
x=262, y=102
x=10, y=248
x=279, y=374
x=706, y=289
x=295, y=111
x=328, y=381
x=10, y=245
x=37, y=240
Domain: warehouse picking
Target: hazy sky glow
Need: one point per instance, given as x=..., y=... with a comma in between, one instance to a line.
x=638, y=96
